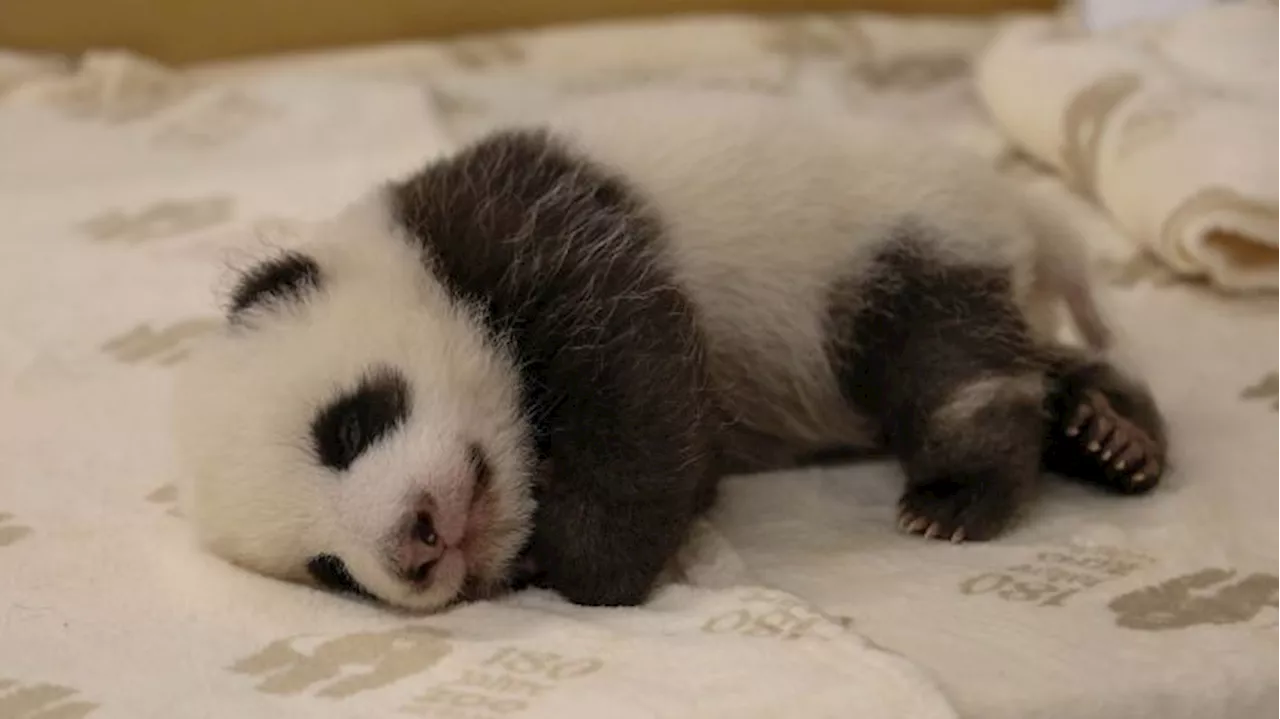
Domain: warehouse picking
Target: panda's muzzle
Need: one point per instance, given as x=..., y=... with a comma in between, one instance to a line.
x=418, y=546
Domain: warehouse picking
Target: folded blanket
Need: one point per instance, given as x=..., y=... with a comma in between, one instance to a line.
x=1169, y=126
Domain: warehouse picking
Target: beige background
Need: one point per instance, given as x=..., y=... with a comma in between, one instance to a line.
x=181, y=31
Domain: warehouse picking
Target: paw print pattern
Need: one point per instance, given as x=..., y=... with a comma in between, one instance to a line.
x=1266, y=388
x=1207, y=597
x=166, y=347
x=167, y=218
x=9, y=531
x=166, y=496
x=338, y=667
x=40, y=701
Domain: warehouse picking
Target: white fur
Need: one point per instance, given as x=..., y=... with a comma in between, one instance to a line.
x=768, y=201
x=764, y=201
x=256, y=495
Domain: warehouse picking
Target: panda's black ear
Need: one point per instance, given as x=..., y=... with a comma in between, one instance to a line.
x=287, y=277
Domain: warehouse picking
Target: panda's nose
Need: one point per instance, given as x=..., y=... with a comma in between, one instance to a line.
x=420, y=547
x=424, y=530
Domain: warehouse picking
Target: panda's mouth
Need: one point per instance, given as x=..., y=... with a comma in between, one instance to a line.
x=480, y=517
x=453, y=566
x=481, y=512
x=464, y=559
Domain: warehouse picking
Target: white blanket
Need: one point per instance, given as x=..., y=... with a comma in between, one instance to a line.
x=1171, y=126
x=125, y=191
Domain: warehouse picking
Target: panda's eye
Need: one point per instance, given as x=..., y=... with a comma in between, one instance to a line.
x=331, y=573
x=350, y=435
x=346, y=427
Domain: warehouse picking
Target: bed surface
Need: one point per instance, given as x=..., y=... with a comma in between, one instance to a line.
x=128, y=190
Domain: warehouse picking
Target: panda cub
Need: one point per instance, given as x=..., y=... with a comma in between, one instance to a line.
x=530, y=361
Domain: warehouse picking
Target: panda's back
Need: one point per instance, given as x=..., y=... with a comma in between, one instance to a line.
x=753, y=237
x=767, y=207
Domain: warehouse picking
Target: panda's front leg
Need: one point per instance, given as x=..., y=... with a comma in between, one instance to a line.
x=629, y=442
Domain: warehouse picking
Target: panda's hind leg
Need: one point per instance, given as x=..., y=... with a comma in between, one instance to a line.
x=936, y=351
x=1105, y=427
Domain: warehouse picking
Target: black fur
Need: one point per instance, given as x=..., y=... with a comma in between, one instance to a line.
x=352, y=422
x=289, y=277
x=331, y=573
x=480, y=465
x=1135, y=428
x=919, y=327
x=909, y=333
x=567, y=265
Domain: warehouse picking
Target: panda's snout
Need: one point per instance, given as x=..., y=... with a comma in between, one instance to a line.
x=419, y=546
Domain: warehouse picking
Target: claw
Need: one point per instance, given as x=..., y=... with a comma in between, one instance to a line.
x=1102, y=428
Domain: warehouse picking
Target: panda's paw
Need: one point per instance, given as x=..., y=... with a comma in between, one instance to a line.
x=957, y=508
x=1121, y=453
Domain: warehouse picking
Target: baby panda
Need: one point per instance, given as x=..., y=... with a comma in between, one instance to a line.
x=531, y=360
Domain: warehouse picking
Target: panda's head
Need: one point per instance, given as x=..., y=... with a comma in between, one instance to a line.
x=354, y=426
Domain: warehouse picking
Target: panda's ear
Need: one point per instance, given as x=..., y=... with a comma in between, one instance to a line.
x=289, y=277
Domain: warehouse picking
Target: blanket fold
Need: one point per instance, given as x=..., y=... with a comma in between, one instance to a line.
x=1169, y=126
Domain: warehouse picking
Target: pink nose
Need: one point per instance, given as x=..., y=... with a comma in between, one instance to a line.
x=420, y=547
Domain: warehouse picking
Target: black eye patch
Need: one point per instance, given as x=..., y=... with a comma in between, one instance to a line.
x=331, y=573
x=287, y=277
x=343, y=429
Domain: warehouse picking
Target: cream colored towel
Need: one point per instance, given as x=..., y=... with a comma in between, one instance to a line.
x=1170, y=127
